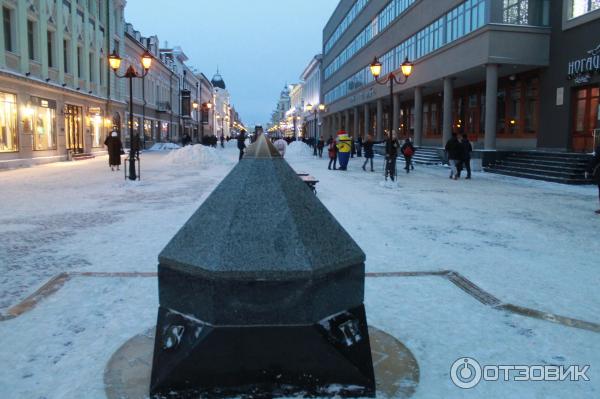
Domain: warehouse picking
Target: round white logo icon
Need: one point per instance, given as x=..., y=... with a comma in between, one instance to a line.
x=465, y=373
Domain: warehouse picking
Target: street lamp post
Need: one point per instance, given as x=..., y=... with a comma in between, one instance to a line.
x=315, y=109
x=391, y=78
x=115, y=63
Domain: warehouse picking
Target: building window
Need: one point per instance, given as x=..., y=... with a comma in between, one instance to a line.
x=531, y=105
x=578, y=8
x=516, y=12
x=7, y=17
x=79, y=62
x=92, y=75
x=8, y=123
x=51, y=49
x=43, y=125
x=100, y=68
x=31, y=39
x=66, y=51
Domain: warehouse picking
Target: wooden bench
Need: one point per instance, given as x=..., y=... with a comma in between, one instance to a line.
x=310, y=181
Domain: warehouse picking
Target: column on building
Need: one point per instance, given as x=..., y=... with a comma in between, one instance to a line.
x=491, y=105
x=60, y=44
x=447, y=112
x=366, y=120
x=379, y=120
x=21, y=21
x=2, y=49
x=43, y=40
x=347, y=120
x=356, y=120
x=73, y=51
x=396, y=114
x=418, y=116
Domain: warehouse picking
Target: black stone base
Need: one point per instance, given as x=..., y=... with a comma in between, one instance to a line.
x=193, y=359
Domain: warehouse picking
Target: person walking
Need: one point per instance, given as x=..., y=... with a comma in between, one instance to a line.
x=222, y=139
x=320, y=145
x=408, y=150
x=332, y=151
x=281, y=146
x=467, y=149
x=368, y=147
x=115, y=149
x=454, y=152
x=352, y=148
x=241, y=144
x=359, y=146
x=593, y=171
x=344, y=146
x=392, y=145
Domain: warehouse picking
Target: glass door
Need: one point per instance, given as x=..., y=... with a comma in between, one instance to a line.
x=74, y=128
x=585, y=118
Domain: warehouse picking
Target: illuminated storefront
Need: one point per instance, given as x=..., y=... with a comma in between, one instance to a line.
x=41, y=113
x=8, y=123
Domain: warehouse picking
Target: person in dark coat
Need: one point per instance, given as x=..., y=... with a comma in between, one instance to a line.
x=454, y=152
x=593, y=171
x=408, y=150
x=320, y=145
x=392, y=145
x=186, y=140
x=359, y=145
x=368, y=147
x=241, y=144
x=352, y=147
x=467, y=149
x=115, y=149
x=332, y=152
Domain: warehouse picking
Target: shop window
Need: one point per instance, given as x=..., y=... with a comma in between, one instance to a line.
x=147, y=130
x=435, y=119
x=97, y=125
x=43, y=117
x=501, y=119
x=514, y=109
x=531, y=106
x=8, y=123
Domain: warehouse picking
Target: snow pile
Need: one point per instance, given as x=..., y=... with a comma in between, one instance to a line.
x=164, y=147
x=196, y=155
x=297, y=149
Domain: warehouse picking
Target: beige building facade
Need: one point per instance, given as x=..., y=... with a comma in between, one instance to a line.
x=58, y=96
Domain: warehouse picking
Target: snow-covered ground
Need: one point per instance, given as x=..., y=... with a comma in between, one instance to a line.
x=528, y=243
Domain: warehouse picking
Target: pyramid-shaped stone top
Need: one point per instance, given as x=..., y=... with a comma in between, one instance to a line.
x=261, y=148
x=261, y=223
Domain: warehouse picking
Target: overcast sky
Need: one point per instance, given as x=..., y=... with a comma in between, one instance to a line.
x=259, y=45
